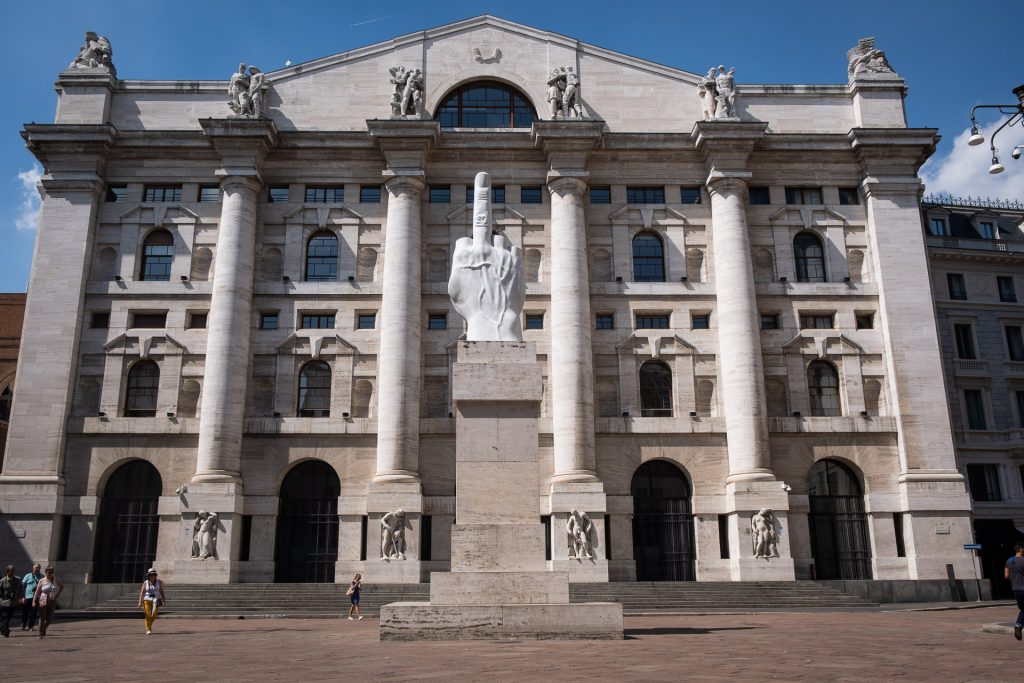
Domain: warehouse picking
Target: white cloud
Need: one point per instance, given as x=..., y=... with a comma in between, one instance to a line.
x=28, y=210
x=964, y=171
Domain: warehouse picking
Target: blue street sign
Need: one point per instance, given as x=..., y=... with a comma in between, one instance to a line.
x=972, y=546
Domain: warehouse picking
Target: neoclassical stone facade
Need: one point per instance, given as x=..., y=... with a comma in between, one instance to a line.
x=243, y=311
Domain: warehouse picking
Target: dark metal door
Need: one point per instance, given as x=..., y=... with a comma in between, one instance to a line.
x=663, y=539
x=126, y=534
x=839, y=537
x=307, y=525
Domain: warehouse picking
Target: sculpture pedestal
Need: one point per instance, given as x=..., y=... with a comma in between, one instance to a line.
x=499, y=585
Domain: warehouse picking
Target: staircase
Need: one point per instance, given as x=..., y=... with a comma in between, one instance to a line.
x=314, y=600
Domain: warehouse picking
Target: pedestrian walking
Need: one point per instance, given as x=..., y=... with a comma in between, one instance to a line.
x=1015, y=573
x=151, y=598
x=48, y=590
x=28, y=611
x=353, y=593
x=10, y=593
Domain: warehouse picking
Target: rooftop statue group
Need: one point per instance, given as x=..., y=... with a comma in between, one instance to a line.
x=865, y=59
x=95, y=52
x=564, y=94
x=407, y=98
x=247, y=92
x=717, y=92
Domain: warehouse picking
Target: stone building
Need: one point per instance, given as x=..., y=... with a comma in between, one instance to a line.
x=12, y=312
x=976, y=249
x=239, y=336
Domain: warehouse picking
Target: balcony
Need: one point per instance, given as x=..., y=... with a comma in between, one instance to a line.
x=993, y=247
x=971, y=368
x=1013, y=369
x=989, y=438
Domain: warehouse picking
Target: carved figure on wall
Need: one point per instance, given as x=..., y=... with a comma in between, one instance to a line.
x=486, y=285
x=556, y=83
x=392, y=535
x=238, y=91
x=204, y=536
x=407, y=97
x=725, y=99
x=563, y=94
x=256, y=87
x=866, y=59
x=708, y=94
x=764, y=534
x=492, y=58
x=96, y=52
x=570, y=98
x=580, y=529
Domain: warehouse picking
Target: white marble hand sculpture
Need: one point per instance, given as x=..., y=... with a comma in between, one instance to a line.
x=486, y=285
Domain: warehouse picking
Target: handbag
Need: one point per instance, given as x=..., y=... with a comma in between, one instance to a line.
x=351, y=591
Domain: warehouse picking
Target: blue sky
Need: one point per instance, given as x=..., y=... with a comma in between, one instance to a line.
x=953, y=55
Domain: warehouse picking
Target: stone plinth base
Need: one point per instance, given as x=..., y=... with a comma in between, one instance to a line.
x=582, y=571
x=760, y=569
x=487, y=588
x=205, y=571
x=422, y=621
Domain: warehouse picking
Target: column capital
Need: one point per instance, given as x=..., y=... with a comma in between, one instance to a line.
x=725, y=146
x=728, y=183
x=404, y=183
x=564, y=185
x=250, y=183
x=242, y=143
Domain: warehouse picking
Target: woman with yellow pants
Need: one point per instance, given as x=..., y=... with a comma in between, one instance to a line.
x=151, y=598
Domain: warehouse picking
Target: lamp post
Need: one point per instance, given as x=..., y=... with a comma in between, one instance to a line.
x=1016, y=112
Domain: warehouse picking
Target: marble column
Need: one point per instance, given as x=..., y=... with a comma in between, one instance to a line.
x=227, y=340
x=570, y=362
x=398, y=356
x=739, y=340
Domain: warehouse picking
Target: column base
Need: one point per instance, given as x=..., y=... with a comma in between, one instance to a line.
x=396, y=476
x=217, y=477
x=758, y=474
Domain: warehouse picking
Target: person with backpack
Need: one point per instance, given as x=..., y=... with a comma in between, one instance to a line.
x=151, y=598
x=1015, y=573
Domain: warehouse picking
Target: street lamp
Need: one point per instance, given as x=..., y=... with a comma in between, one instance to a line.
x=1016, y=113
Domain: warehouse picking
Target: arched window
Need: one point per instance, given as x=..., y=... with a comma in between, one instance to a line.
x=315, y=390
x=157, y=256
x=322, y=258
x=655, y=390
x=810, y=258
x=143, y=385
x=648, y=258
x=6, y=398
x=823, y=385
x=486, y=104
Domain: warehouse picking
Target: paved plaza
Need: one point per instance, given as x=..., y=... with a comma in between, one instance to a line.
x=846, y=646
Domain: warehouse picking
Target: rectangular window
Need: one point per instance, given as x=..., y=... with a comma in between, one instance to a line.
x=437, y=321
x=700, y=321
x=546, y=521
x=277, y=194
x=987, y=230
x=426, y=532
x=817, y=321
x=162, y=193
x=769, y=321
x=497, y=194
x=99, y=320
x=865, y=321
x=363, y=529
x=1019, y=397
x=1007, y=292
x=897, y=522
x=964, y=341
x=245, y=540
x=209, y=193
x=366, y=321
x=196, y=321
x=531, y=194
x=317, y=321
x=760, y=195
x=849, y=196
x=607, y=537
x=369, y=194
x=689, y=195
x=957, y=289
x=535, y=321
x=646, y=321
x=600, y=195
x=974, y=402
x=269, y=321
x=440, y=194
x=1014, y=343
x=645, y=195
x=937, y=227
x=116, y=193
x=723, y=536
x=984, y=483
x=605, y=321
x=156, y=321
x=803, y=195
x=325, y=195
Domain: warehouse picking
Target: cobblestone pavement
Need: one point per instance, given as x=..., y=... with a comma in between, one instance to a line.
x=876, y=646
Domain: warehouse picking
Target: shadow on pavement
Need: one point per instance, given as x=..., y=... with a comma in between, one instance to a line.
x=678, y=631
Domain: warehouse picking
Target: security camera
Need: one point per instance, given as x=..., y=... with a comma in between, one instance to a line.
x=1015, y=153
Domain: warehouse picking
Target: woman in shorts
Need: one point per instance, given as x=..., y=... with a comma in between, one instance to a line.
x=353, y=593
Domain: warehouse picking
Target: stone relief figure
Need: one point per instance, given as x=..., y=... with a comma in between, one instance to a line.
x=865, y=59
x=246, y=92
x=204, y=536
x=392, y=535
x=707, y=93
x=717, y=93
x=764, y=534
x=256, y=88
x=95, y=52
x=486, y=285
x=407, y=98
x=563, y=94
x=580, y=529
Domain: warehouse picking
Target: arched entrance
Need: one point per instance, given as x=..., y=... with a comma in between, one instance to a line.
x=663, y=544
x=839, y=526
x=126, y=533
x=307, y=525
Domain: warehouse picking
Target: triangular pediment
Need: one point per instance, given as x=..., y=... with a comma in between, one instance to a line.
x=159, y=214
x=822, y=343
x=808, y=217
x=647, y=216
x=316, y=343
